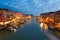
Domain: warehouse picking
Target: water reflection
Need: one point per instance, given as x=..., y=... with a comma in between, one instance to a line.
x=21, y=25
x=28, y=31
x=28, y=21
x=56, y=33
x=31, y=31
x=50, y=33
x=44, y=26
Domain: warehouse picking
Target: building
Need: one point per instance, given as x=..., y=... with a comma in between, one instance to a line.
x=19, y=15
x=55, y=16
x=5, y=15
x=8, y=16
x=52, y=15
x=28, y=16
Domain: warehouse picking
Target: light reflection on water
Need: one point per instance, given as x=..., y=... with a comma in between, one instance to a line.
x=53, y=32
x=27, y=31
x=43, y=26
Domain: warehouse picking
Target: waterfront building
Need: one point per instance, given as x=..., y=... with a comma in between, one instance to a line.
x=53, y=16
x=28, y=16
x=19, y=15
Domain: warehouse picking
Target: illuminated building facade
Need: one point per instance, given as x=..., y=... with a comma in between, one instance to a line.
x=53, y=15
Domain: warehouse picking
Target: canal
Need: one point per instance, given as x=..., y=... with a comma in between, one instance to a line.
x=28, y=31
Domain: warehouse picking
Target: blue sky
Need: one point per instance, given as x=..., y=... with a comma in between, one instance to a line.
x=34, y=7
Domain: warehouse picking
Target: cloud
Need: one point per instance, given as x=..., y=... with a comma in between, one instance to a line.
x=33, y=6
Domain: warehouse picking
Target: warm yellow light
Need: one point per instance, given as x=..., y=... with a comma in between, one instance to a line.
x=57, y=25
x=44, y=26
x=7, y=22
x=1, y=23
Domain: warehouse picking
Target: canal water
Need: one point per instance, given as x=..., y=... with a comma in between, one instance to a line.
x=28, y=31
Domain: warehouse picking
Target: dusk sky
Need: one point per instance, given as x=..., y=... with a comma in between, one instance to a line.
x=31, y=6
